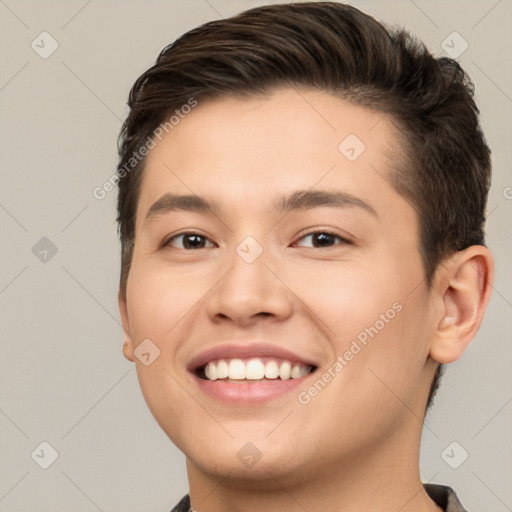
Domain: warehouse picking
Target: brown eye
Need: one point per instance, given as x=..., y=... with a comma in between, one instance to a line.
x=189, y=241
x=322, y=239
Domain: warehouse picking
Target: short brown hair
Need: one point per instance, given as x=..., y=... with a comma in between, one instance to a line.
x=445, y=174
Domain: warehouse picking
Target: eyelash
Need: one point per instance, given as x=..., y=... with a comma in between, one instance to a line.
x=343, y=240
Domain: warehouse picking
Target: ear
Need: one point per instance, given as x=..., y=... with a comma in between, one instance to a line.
x=123, y=310
x=464, y=286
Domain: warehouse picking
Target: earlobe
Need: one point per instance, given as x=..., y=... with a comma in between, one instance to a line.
x=123, y=311
x=465, y=288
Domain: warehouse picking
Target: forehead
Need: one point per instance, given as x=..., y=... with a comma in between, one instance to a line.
x=251, y=152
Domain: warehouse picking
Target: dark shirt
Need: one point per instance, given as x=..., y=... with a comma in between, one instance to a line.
x=442, y=495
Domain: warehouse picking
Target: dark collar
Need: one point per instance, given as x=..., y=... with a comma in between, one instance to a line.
x=445, y=497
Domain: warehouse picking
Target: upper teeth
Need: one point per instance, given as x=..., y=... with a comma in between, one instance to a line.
x=254, y=369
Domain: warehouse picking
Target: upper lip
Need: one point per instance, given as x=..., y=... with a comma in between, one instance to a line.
x=231, y=351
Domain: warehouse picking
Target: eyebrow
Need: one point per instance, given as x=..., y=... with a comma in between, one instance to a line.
x=172, y=202
x=306, y=199
x=299, y=200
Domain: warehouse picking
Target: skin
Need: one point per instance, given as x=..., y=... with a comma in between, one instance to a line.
x=355, y=446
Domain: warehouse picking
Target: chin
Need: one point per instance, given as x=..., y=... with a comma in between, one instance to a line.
x=244, y=474
x=243, y=460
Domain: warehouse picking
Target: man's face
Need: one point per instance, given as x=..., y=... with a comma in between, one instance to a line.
x=335, y=281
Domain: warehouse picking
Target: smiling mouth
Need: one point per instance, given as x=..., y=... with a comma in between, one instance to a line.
x=252, y=370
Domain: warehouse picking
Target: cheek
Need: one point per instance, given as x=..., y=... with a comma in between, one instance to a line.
x=388, y=357
x=372, y=321
x=159, y=303
x=346, y=298
x=158, y=298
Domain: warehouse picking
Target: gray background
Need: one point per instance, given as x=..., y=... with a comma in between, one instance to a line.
x=63, y=378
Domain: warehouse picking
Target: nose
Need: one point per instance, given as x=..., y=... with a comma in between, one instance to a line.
x=249, y=292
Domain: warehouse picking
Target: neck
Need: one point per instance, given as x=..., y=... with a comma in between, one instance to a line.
x=384, y=477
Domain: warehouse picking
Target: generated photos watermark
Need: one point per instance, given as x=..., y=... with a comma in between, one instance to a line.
x=356, y=346
x=100, y=192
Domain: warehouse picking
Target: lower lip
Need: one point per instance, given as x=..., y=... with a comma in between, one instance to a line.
x=248, y=392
